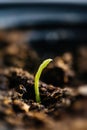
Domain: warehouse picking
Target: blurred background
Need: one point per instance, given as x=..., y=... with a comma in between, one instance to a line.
x=49, y=26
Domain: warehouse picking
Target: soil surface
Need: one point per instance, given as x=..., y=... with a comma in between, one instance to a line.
x=62, y=86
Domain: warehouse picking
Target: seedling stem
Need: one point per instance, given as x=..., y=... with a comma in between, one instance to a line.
x=37, y=77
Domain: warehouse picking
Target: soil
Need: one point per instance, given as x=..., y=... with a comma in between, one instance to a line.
x=62, y=86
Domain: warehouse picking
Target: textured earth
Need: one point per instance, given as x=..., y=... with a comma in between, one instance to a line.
x=62, y=86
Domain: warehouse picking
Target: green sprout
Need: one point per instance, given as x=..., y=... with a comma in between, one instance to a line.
x=37, y=77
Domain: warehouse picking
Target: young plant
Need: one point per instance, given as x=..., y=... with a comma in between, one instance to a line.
x=37, y=77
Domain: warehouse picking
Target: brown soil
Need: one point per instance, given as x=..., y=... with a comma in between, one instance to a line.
x=63, y=88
